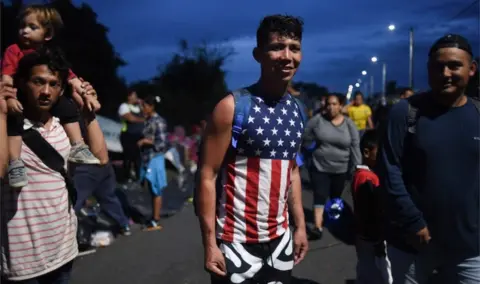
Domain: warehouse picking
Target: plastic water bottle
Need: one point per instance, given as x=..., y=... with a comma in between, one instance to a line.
x=334, y=208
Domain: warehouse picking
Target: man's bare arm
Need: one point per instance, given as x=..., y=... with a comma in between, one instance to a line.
x=3, y=132
x=96, y=140
x=216, y=141
x=295, y=199
x=5, y=91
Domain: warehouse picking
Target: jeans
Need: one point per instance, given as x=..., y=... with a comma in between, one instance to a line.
x=59, y=276
x=99, y=181
x=372, y=268
x=419, y=268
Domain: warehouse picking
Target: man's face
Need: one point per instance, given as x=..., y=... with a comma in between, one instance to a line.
x=407, y=94
x=358, y=100
x=449, y=70
x=43, y=88
x=280, y=57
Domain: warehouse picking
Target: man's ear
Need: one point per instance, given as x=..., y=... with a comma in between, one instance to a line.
x=256, y=54
x=473, y=68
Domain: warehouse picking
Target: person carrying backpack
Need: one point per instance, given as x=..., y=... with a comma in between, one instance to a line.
x=248, y=168
x=429, y=165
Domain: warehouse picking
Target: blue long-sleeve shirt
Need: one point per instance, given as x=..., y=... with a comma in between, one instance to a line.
x=431, y=178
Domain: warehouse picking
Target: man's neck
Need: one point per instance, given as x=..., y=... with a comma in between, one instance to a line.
x=457, y=100
x=44, y=118
x=272, y=89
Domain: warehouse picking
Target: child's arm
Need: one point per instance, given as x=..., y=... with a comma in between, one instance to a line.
x=7, y=80
x=80, y=96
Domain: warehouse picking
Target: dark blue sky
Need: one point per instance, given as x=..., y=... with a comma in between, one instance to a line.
x=340, y=36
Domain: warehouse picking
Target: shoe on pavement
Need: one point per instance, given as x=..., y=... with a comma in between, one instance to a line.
x=152, y=225
x=126, y=231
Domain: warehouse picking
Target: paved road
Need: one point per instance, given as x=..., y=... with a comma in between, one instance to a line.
x=175, y=255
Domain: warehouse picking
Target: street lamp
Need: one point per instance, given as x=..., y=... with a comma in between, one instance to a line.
x=364, y=72
x=374, y=59
x=357, y=85
x=391, y=27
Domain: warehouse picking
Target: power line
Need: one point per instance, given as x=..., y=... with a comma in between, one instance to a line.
x=464, y=10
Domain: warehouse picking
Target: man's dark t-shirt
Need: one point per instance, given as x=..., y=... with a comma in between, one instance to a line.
x=431, y=178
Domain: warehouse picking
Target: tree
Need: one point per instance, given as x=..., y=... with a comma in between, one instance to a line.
x=310, y=92
x=190, y=84
x=85, y=43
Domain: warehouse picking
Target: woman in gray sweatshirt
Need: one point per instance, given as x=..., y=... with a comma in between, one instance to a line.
x=334, y=142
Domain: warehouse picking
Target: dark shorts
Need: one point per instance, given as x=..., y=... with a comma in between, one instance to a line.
x=270, y=262
x=326, y=185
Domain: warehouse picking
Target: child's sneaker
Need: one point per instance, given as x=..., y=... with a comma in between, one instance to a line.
x=17, y=174
x=80, y=154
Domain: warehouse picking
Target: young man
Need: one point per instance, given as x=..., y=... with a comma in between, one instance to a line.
x=360, y=113
x=430, y=170
x=40, y=239
x=243, y=190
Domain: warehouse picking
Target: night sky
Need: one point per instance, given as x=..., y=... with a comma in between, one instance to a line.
x=340, y=36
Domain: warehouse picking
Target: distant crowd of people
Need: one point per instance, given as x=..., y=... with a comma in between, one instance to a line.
x=413, y=168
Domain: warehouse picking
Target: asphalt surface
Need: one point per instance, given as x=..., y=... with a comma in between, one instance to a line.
x=175, y=255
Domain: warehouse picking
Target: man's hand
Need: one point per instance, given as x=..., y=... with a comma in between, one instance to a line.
x=300, y=244
x=85, y=95
x=14, y=106
x=420, y=239
x=424, y=236
x=215, y=261
x=88, y=97
x=6, y=92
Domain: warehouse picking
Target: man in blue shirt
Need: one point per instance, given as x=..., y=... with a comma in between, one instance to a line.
x=429, y=166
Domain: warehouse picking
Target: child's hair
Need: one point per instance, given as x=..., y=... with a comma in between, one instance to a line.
x=53, y=57
x=369, y=140
x=152, y=100
x=48, y=17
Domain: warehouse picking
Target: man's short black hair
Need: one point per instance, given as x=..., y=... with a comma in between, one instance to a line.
x=451, y=40
x=283, y=25
x=403, y=91
x=369, y=139
x=51, y=56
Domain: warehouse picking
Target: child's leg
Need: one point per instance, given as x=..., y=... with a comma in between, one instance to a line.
x=74, y=133
x=17, y=174
x=14, y=147
x=66, y=110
